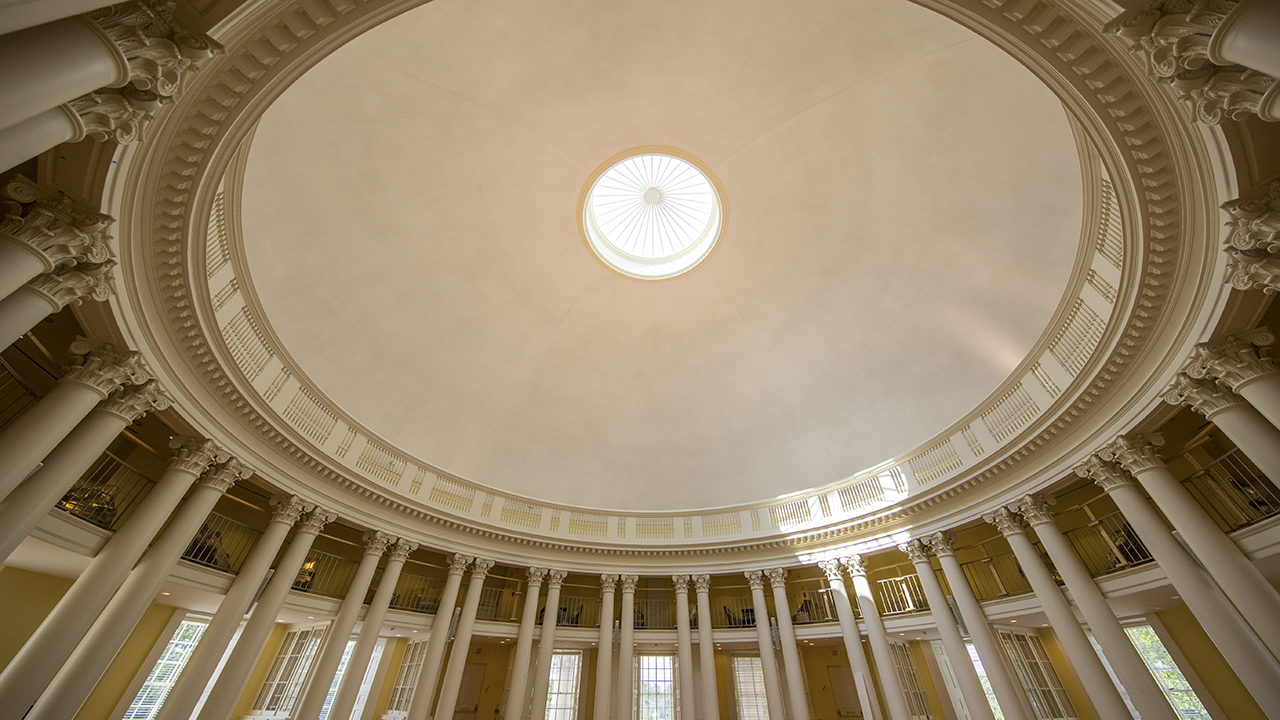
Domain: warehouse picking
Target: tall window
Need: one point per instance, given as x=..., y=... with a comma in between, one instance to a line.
x=164, y=674
x=904, y=665
x=1039, y=679
x=1166, y=672
x=337, y=679
x=748, y=688
x=284, y=680
x=986, y=681
x=655, y=687
x=407, y=677
x=562, y=693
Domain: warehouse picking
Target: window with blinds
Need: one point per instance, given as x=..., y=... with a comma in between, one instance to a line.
x=288, y=671
x=164, y=674
x=904, y=665
x=748, y=688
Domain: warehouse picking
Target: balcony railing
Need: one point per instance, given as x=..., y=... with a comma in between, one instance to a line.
x=1108, y=544
x=325, y=574
x=901, y=595
x=992, y=577
x=15, y=396
x=414, y=593
x=579, y=611
x=812, y=606
x=1234, y=492
x=655, y=614
x=222, y=544
x=107, y=494
x=499, y=604
x=732, y=612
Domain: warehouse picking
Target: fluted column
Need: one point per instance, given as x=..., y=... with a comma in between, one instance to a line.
x=1123, y=657
x=41, y=230
x=186, y=692
x=462, y=640
x=626, y=646
x=1007, y=689
x=868, y=698
x=1238, y=420
x=82, y=670
x=226, y=690
x=339, y=632
x=895, y=702
x=790, y=654
x=424, y=693
x=97, y=369
x=1239, y=578
x=684, y=646
x=706, y=650
x=49, y=293
x=345, y=699
x=546, y=643
x=518, y=692
x=1237, y=362
x=1075, y=644
x=604, y=652
x=768, y=659
x=975, y=698
x=31, y=501
x=1256, y=667
x=38, y=661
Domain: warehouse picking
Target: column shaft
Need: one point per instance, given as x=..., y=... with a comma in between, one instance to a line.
x=1263, y=394
x=45, y=66
x=462, y=641
x=975, y=698
x=799, y=700
x=707, y=650
x=684, y=648
x=1253, y=434
x=518, y=693
x=336, y=637
x=38, y=430
x=768, y=659
x=18, y=16
x=19, y=262
x=82, y=670
x=546, y=644
x=1007, y=689
x=226, y=691
x=424, y=692
x=868, y=698
x=358, y=663
x=195, y=676
x=604, y=650
x=23, y=310
x=626, y=647
x=895, y=702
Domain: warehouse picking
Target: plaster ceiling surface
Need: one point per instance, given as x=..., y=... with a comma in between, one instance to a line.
x=903, y=212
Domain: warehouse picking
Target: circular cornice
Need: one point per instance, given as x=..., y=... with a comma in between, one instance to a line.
x=1167, y=180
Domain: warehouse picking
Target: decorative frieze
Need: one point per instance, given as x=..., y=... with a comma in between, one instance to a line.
x=56, y=227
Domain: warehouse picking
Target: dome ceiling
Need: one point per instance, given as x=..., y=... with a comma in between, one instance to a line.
x=903, y=213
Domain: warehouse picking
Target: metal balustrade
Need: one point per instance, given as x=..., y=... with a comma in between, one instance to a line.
x=1108, y=544
x=222, y=543
x=901, y=595
x=15, y=395
x=992, y=577
x=107, y=493
x=732, y=612
x=578, y=611
x=498, y=604
x=325, y=574
x=812, y=606
x=1234, y=492
x=414, y=593
x=655, y=614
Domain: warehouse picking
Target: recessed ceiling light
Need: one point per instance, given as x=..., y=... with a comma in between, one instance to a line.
x=1175, y=597
x=164, y=593
x=311, y=617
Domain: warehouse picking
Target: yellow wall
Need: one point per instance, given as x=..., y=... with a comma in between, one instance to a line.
x=25, y=599
x=816, y=659
x=396, y=647
x=1217, y=676
x=495, y=657
x=934, y=688
x=259, y=675
x=127, y=663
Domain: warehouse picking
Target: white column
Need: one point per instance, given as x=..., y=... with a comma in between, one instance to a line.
x=546, y=644
x=41, y=229
x=47, y=65
x=1238, y=577
x=230, y=683
x=684, y=647
x=1075, y=644
x=38, y=661
x=462, y=640
x=17, y=15
x=31, y=501
x=706, y=650
x=308, y=707
x=764, y=638
x=82, y=670
x=626, y=646
x=604, y=649
x=895, y=702
x=518, y=693
x=790, y=654
x=1238, y=420
x=975, y=698
x=29, y=138
x=1247, y=36
x=98, y=369
x=345, y=699
x=48, y=293
x=182, y=699
x=868, y=698
x=1119, y=650
x=1007, y=689
x=1236, y=362
x=424, y=693
x=1256, y=667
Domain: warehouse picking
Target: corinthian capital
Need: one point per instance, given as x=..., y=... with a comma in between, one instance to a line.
x=195, y=454
x=222, y=477
x=1035, y=509
x=917, y=550
x=1255, y=220
x=480, y=567
x=458, y=563
x=629, y=583
x=535, y=575
x=1136, y=452
x=288, y=508
x=73, y=285
x=1234, y=360
x=161, y=50
x=681, y=584
x=1005, y=521
x=608, y=583
x=555, y=578
x=317, y=519
x=1204, y=396
x=132, y=402
x=376, y=542
x=1249, y=269
x=942, y=543
x=856, y=565
x=702, y=584
x=833, y=568
x=58, y=229
x=1106, y=474
x=777, y=577
x=755, y=579
x=104, y=368
x=400, y=551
